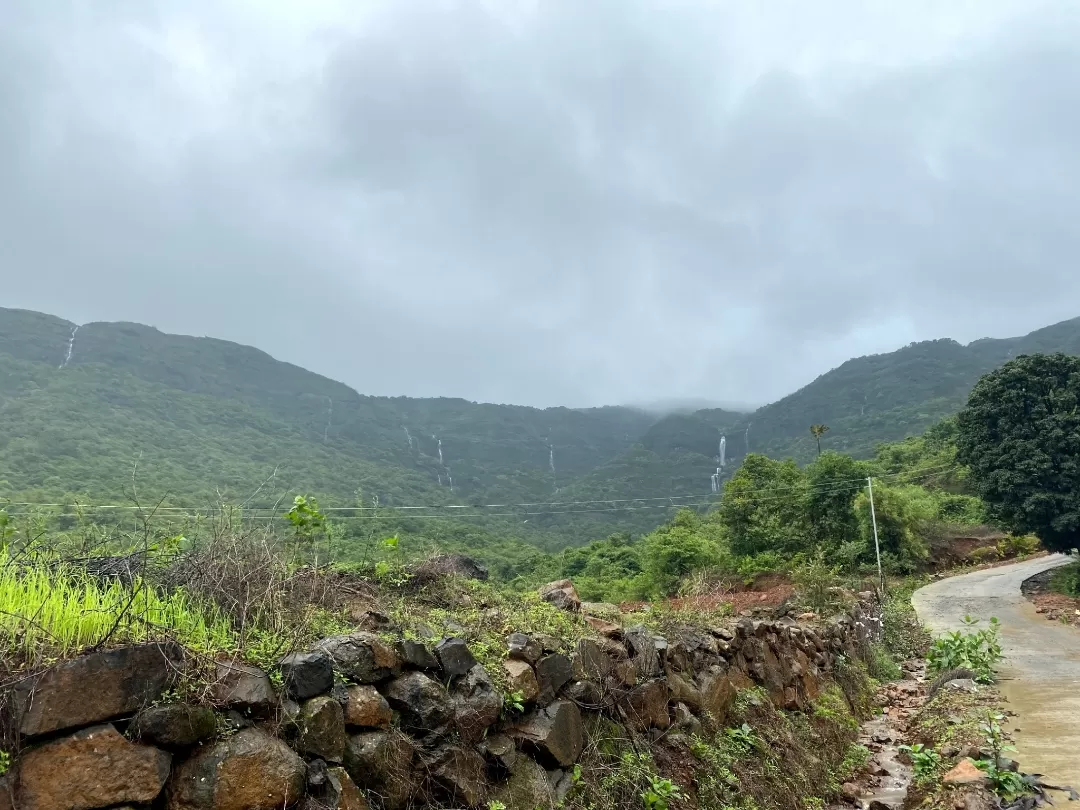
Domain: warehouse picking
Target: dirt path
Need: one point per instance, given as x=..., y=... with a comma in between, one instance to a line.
x=1040, y=675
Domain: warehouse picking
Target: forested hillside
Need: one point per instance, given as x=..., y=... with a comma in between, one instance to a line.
x=108, y=410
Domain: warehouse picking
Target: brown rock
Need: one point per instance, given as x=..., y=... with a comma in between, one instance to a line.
x=965, y=773
x=561, y=594
x=717, y=693
x=645, y=706
x=604, y=627
x=94, y=688
x=248, y=771
x=339, y=792
x=850, y=792
x=522, y=679
x=366, y=708
x=682, y=691
x=95, y=767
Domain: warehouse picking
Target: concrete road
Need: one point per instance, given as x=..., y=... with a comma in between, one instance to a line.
x=1040, y=675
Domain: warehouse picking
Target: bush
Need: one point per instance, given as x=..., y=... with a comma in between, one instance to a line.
x=1018, y=545
x=985, y=554
x=978, y=650
x=881, y=665
x=817, y=583
x=904, y=636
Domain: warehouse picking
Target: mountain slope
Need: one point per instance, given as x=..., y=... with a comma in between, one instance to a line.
x=198, y=420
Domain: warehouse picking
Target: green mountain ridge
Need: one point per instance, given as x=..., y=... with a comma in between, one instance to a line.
x=196, y=420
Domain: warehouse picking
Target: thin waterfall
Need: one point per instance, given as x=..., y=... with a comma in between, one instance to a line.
x=408, y=437
x=748, y=437
x=329, y=418
x=440, y=452
x=723, y=450
x=70, y=347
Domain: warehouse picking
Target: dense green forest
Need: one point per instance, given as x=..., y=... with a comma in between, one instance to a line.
x=119, y=412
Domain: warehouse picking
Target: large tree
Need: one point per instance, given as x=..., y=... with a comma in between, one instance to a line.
x=1020, y=435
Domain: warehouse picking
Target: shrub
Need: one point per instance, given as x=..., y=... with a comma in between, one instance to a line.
x=817, y=583
x=903, y=635
x=881, y=665
x=1018, y=545
x=985, y=554
x=978, y=650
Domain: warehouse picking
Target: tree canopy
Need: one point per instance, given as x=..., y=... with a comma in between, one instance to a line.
x=1020, y=437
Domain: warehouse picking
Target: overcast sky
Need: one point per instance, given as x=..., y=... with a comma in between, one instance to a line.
x=546, y=201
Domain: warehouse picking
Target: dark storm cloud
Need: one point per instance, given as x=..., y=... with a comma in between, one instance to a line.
x=549, y=202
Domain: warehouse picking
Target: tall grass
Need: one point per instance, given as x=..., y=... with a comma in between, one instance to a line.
x=50, y=612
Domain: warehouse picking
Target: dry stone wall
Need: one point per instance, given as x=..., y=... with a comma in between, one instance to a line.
x=363, y=721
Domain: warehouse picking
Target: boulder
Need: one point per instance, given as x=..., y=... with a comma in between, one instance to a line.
x=591, y=662
x=461, y=773
x=643, y=652
x=555, y=733
x=382, y=763
x=604, y=627
x=645, y=706
x=527, y=787
x=498, y=749
x=588, y=695
x=244, y=688
x=477, y=704
x=553, y=672
x=524, y=648
x=424, y=704
x=561, y=594
x=366, y=708
x=717, y=693
x=174, y=725
x=682, y=691
x=362, y=656
x=455, y=657
x=417, y=655
x=95, y=767
x=248, y=771
x=446, y=565
x=521, y=679
x=322, y=729
x=965, y=773
x=307, y=675
x=93, y=688
x=336, y=792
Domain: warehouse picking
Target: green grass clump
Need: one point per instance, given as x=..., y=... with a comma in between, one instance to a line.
x=55, y=613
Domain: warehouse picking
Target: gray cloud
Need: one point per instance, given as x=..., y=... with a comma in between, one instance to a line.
x=544, y=203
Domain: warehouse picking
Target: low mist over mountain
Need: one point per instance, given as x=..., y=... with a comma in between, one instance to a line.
x=108, y=412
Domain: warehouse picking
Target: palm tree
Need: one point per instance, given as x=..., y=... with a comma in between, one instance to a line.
x=817, y=431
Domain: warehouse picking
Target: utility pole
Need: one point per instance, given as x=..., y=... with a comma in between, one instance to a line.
x=877, y=545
